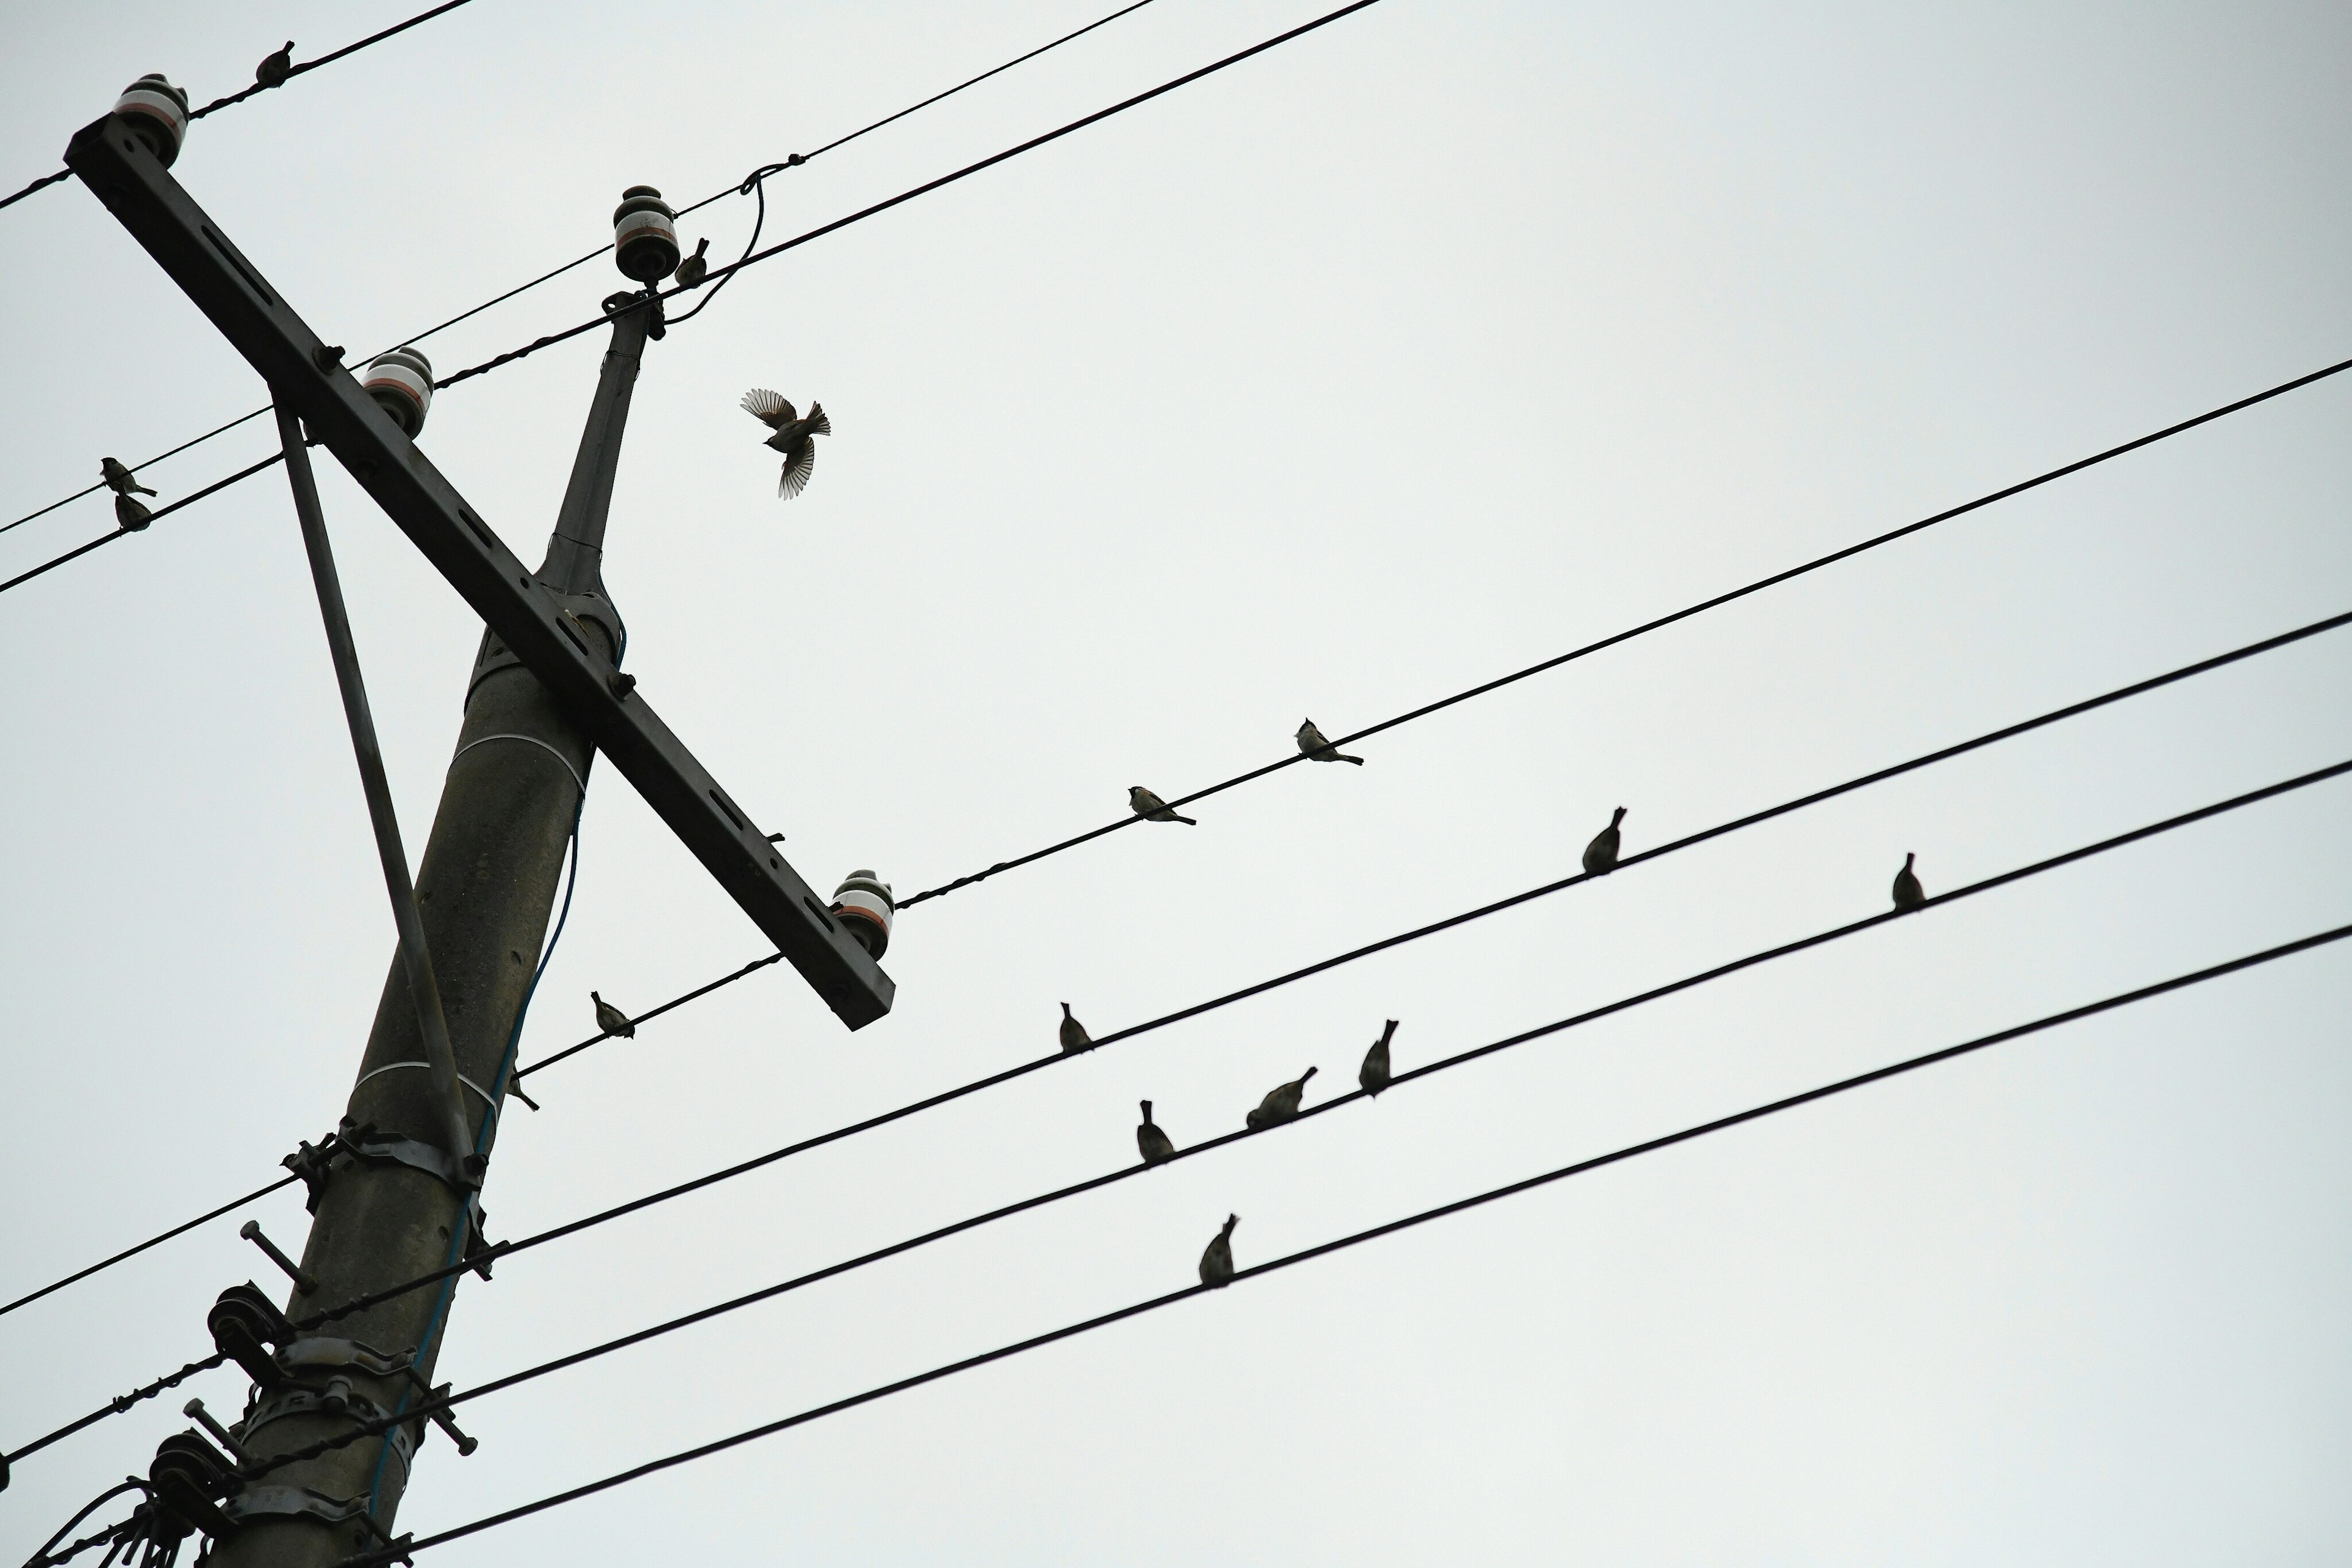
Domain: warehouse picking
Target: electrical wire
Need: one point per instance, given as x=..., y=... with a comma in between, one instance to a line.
x=1006, y=1075
x=1927, y=759
x=400, y=1549
x=1651, y=625
x=129, y=1484
x=797, y=160
x=117, y=1406
x=719, y=275
x=1801, y=945
x=181, y=1229
x=256, y=86
x=161, y=511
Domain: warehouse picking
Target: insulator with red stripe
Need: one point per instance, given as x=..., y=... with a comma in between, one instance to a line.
x=157, y=113
x=866, y=908
x=644, y=235
x=401, y=382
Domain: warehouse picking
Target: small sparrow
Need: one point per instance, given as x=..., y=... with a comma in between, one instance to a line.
x=1373, y=1076
x=275, y=68
x=1280, y=1104
x=120, y=480
x=692, y=270
x=130, y=513
x=1217, y=1262
x=1074, y=1037
x=1317, y=749
x=612, y=1020
x=795, y=437
x=1601, y=855
x=1151, y=808
x=1908, y=894
x=1157, y=1148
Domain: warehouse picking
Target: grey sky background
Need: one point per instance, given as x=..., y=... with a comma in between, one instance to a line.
x=1420, y=349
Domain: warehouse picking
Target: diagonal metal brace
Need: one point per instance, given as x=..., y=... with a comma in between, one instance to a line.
x=524, y=613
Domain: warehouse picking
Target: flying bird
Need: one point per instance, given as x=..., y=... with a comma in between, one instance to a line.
x=120, y=480
x=274, y=70
x=1074, y=1037
x=131, y=514
x=795, y=437
x=1373, y=1076
x=1151, y=808
x=612, y=1020
x=1217, y=1262
x=1155, y=1144
x=1908, y=894
x=693, y=269
x=1280, y=1104
x=1317, y=749
x=1601, y=855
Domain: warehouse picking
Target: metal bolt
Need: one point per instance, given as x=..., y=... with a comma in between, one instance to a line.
x=304, y=1281
x=194, y=1410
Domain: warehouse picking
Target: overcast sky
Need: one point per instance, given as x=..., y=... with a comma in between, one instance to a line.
x=1420, y=349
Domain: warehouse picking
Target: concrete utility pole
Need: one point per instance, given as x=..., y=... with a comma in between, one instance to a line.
x=484, y=892
x=393, y=1200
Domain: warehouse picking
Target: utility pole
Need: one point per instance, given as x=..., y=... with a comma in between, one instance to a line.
x=484, y=894
x=396, y=1191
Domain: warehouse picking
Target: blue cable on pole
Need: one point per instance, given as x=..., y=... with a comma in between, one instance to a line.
x=481, y=1136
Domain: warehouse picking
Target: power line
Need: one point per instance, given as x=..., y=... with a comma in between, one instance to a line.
x=257, y=87
x=719, y=275
x=1945, y=753
x=161, y=511
x=1801, y=945
x=119, y=1403
x=253, y=1196
x=797, y=159
x=1648, y=627
x=1006, y=1074
x=400, y=1549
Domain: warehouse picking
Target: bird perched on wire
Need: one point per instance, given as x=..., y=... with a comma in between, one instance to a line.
x=1151, y=808
x=612, y=1020
x=1908, y=894
x=274, y=70
x=1373, y=1076
x=1280, y=1104
x=1319, y=750
x=1074, y=1037
x=694, y=268
x=1601, y=855
x=795, y=437
x=1154, y=1144
x=1217, y=1262
x=120, y=480
x=130, y=513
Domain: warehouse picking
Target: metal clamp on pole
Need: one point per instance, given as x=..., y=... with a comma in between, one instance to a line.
x=416, y=963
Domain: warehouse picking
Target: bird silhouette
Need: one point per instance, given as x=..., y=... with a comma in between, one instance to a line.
x=1601, y=855
x=274, y=70
x=1317, y=749
x=120, y=480
x=694, y=268
x=1151, y=808
x=1074, y=1037
x=1217, y=1262
x=1157, y=1148
x=795, y=437
x=612, y=1020
x=1280, y=1104
x=1908, y=894
x=1373, y=1076
x=130, y=513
